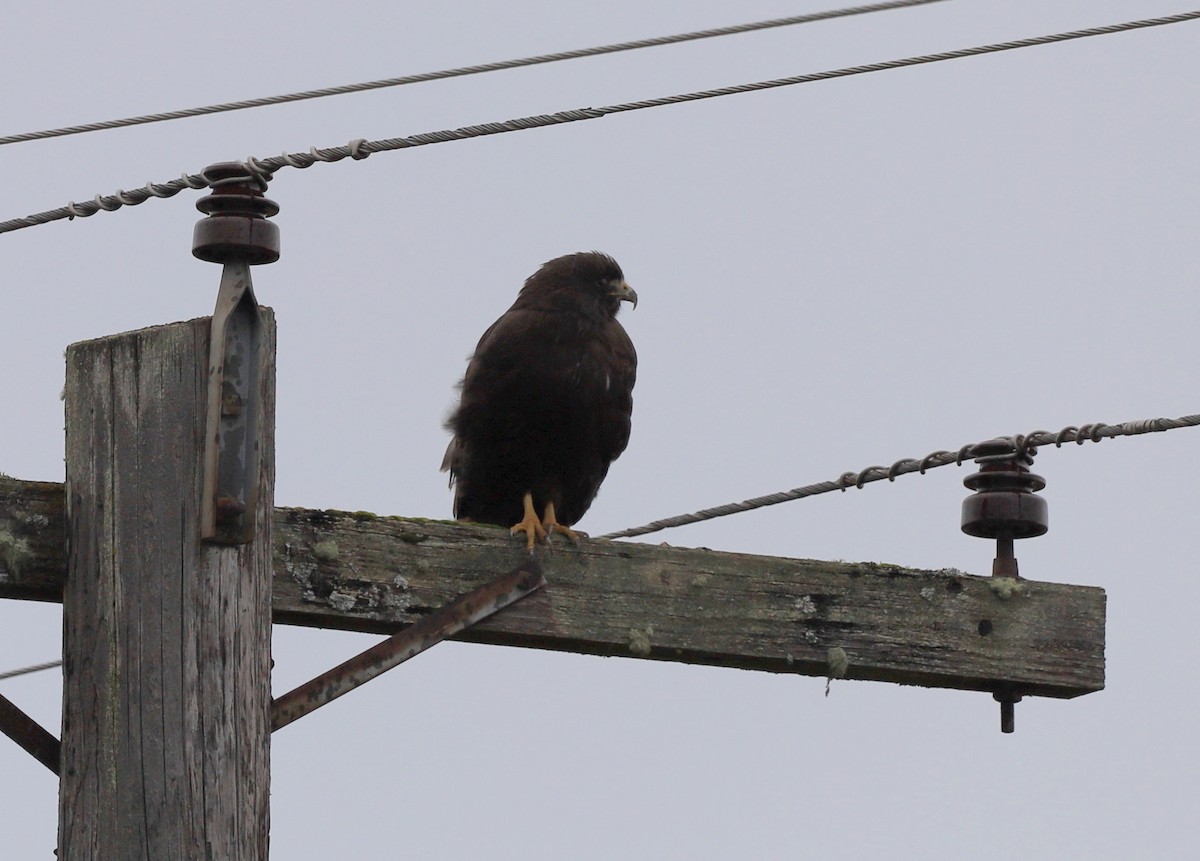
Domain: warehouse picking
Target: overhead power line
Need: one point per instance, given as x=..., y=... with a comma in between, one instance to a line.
x=360, y=149
x=1080, y=435
x=464, y=70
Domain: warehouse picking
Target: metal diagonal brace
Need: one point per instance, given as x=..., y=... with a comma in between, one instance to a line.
x=29, y=734
x=459, y=614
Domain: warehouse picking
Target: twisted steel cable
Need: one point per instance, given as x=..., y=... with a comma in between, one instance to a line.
x=1021, y=442
x=463, y=71
x=360, y=148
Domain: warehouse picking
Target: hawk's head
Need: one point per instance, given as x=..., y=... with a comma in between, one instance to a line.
x=588, y=282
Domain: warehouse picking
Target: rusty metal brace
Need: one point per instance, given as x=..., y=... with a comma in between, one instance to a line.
x=29, y=734
x=458, y=615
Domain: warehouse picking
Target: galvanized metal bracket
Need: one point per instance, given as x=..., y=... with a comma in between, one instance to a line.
x=456, y=616
x=229, y=499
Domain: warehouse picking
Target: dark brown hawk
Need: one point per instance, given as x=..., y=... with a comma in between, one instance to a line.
x=546, y=401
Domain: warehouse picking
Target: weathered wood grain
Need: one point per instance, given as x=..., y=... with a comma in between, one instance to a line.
x=33, y=559
x=932, y=628
x=358, y=571
x=166, y=727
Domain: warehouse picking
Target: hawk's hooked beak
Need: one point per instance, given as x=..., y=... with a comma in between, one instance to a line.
x=626, y=293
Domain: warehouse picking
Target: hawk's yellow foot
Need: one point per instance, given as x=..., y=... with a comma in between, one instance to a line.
x=530, y=524
x=551, y=525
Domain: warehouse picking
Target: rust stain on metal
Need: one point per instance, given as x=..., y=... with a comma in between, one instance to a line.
x=456, y=616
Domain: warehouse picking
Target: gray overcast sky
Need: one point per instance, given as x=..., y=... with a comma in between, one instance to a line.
x=831, y=276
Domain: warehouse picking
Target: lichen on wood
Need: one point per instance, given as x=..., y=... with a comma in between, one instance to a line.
x=703, y=606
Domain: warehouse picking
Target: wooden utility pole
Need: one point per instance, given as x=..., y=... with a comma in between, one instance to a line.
x=166, y=719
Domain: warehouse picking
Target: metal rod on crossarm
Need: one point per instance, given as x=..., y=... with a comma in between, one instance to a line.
x=456, y=616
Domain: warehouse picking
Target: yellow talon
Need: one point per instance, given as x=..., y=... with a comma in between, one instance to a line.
x=539, y=530
x=551, y=525
x=530, y=524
